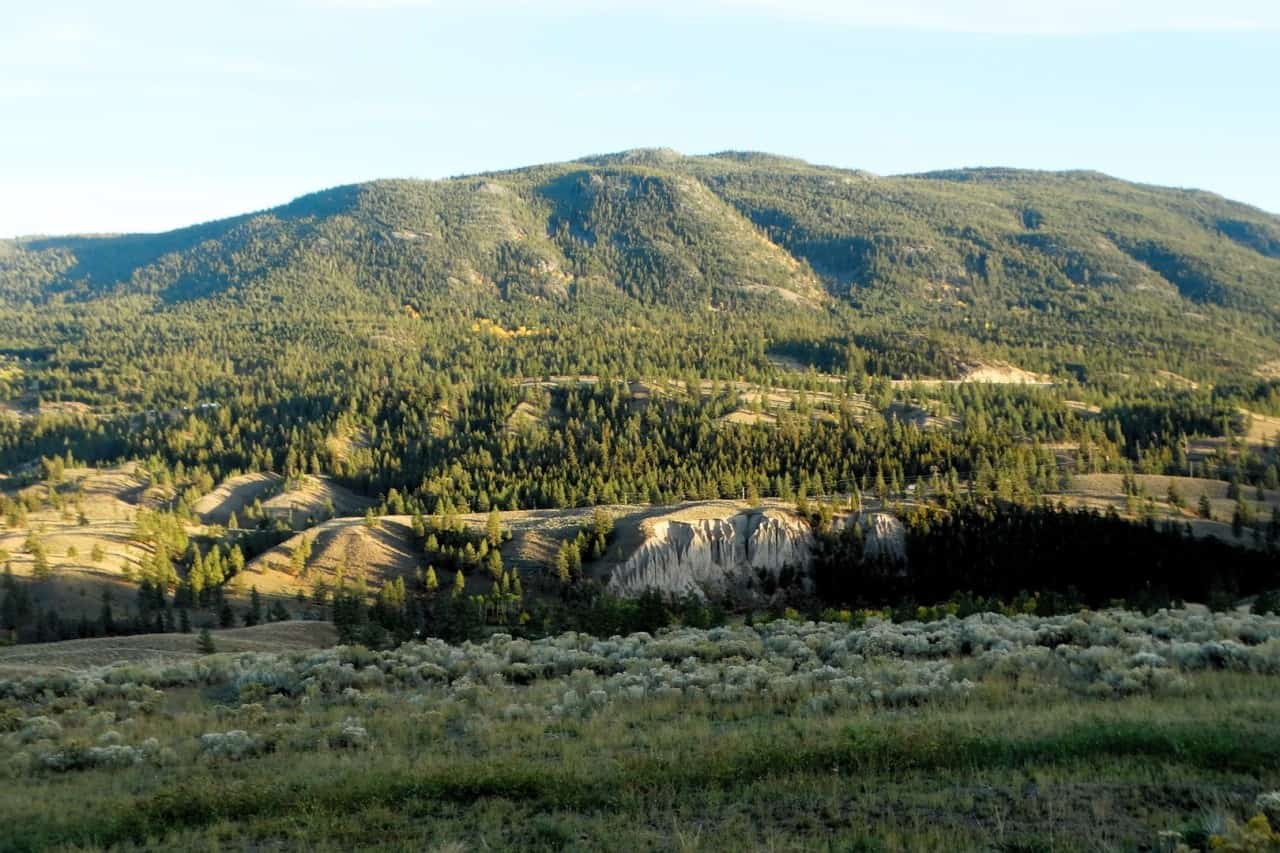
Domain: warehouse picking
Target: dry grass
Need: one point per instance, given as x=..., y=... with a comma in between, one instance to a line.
x=757, y=403
x=16, y=661
x=744, y=417
x=1106, y=491
x=376, y=554
x=235, y=495
x=301, y=503
x=526, y=415
x=311, y=500
x=1263, y=429
x=1268, y=370
x=994, y=373
x=109, y=500
x=346, y=443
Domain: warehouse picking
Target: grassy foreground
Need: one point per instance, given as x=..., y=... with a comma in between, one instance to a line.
x=998, y=747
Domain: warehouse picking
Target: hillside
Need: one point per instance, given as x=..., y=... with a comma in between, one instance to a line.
x=280, y=400
x=1072, y=272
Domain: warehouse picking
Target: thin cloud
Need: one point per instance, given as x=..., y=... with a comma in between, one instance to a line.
x=1067, y=17
x=248, y=66
x=52, y=41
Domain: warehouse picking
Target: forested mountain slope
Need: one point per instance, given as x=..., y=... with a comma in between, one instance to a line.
x=639, y=330
x=1071, y=271
x=503, y=337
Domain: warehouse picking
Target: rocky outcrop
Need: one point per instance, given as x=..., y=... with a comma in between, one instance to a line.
x=882, y=534
x=709, y=555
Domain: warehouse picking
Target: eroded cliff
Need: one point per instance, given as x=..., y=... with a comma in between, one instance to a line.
x=711, y=555
x=708, y=555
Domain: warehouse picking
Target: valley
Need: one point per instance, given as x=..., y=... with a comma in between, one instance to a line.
x=731, y=500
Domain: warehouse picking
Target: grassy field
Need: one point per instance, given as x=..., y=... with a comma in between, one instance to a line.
x=28, y=659
x=960, y=735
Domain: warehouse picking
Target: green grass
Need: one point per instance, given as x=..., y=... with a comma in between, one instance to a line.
x=1000, y=770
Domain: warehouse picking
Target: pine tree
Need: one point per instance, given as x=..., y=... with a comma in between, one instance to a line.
x=493, y=528
x=298, y=559
x=562, y=563
x=165, y=575
x=432, y=583
x=196, y=578
x=253, y=616
x=204, y=643
x=225, y=615
x=106, y=617
x=236, y=560
x=40, y=568
x=9, y=602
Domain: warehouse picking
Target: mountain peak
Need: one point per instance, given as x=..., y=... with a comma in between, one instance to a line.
x=635, y=157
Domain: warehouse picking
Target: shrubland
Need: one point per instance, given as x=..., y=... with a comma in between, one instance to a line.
x=915, y=735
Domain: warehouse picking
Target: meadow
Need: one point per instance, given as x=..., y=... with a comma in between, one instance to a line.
x=1107, y=730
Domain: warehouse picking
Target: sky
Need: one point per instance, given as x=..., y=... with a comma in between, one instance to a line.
x=145, y=116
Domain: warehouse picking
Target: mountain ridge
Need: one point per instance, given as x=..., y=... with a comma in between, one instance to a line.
x=1003, y=259
x=636, y=156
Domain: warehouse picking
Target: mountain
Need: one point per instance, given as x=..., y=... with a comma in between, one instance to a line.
x=1071, y=272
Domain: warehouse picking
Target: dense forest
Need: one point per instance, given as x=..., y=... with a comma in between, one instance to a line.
x=650, y=328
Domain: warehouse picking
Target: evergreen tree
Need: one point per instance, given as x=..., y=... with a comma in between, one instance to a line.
x=562, y=564
x=236, y=560
x=196, y=577
x=40, y=568
x=204, y=642
x=106, y=618
x=253, y=614
x=9, y=591
x=493, y=528
x=298, y=559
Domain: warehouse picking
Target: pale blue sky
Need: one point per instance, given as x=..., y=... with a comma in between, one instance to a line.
x=151, y=115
